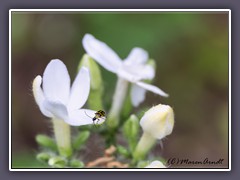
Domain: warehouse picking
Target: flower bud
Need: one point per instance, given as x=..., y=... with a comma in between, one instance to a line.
x=131, y=130
x=158, y=121
x=95, y=96
x=156, y=164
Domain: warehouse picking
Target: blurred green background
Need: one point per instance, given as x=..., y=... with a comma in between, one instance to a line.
x=191, y=51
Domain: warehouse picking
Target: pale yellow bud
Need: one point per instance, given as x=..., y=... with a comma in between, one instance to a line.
x=158, y=121
x=156, y=164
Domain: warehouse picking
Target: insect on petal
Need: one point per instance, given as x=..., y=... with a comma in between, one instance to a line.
x=80, y=117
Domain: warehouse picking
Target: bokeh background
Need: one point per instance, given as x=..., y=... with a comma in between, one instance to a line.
x=191, y=51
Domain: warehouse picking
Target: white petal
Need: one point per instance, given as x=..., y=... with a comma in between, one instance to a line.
x=152, y=88
x=137, y=95
x=136, y=56
x=56, y=82
x=80, y=117
x=125, y=74
x=39, y=96
x=140, y=71
x=58, y=109
x=102, y=53
x=156, y=164
x=80, y=89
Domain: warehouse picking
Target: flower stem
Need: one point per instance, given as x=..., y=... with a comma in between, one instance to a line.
x=144, y=145
x=118, y=100
x=62, y=134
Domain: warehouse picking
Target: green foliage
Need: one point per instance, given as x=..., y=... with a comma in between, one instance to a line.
x=75, y=163
x=80, y=139
x=57, y=162
x=46, y=142
x=131, y=131
x=123, y=151
x=43, y=157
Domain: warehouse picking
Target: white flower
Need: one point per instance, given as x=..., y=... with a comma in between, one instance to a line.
x=156, y=164
x=57, y=100
x=158, y=121
x=132, y=69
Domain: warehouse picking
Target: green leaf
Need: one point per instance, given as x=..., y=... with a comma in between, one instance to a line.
x=57, y=162
x=43, y=157
x=76, y=163
x=46, y=141
x=123, y=151
x=80, y=139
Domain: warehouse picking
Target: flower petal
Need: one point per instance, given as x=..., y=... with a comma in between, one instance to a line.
x=58, y=109
x=80, y=117
x=156, y=164
x=80, y=89
x=102, y=53
x=125, y=74
x=39, y=96
x=140, y=71
x=137, y=95
x=152, y=88
x=136, y=56
x=56, y=82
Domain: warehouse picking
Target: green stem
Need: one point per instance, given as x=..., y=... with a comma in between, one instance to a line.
x=62, y=134
x=143, y=147
x=118, y=100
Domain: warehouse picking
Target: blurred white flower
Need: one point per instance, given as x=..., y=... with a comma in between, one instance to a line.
x=57, y=100
x=133, y=69
x=158, y=121
x=156, y=164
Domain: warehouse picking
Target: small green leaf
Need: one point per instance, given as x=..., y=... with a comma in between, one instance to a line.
x=76, y=163
x=123, y=151
x=57, y=162
x=43, y=157
x=46, y=141
x=80, y=139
